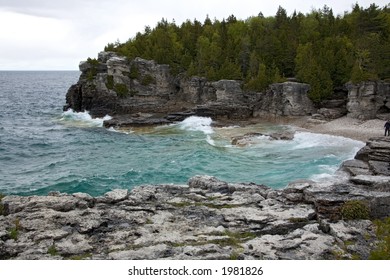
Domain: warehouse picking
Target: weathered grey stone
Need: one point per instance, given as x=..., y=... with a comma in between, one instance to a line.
x=285, y=99
x=356, y=167
x=332, y=113
x=367, y=99
x=206, y=219
x=115, y=196
x=370, y=179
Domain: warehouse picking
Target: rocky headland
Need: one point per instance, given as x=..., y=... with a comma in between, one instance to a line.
x=208, y=218
x=141, y=92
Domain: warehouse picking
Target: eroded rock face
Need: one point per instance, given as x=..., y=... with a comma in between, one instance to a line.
x=205, y=219
x=367, y=100
x=285, y=99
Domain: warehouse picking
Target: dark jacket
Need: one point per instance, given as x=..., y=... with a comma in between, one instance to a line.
x=387, y=125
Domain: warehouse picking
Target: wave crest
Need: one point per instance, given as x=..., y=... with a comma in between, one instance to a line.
x=82, y=119
x=195, y=123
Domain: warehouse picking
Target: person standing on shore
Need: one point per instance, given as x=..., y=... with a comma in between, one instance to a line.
x=387, y=128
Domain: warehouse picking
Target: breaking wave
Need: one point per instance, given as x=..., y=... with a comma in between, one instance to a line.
x=195, y=123
x=82, y=119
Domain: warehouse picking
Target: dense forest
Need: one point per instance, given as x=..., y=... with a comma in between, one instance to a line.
x=318, y=48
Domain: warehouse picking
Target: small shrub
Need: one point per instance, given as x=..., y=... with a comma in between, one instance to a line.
x=121, y=90
x=110, y=82
x=134, y=72
x=147, y=80
x=93, y=62
x=92, y=72
x=234, y=256
x=355, y=210
x=52, y=250
x=14, y=232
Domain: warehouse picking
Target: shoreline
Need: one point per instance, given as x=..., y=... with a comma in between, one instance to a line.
x=360, y=130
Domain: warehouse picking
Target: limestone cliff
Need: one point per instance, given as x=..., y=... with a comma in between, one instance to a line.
x=285, y=99
x=128, y=90
x=367, y=100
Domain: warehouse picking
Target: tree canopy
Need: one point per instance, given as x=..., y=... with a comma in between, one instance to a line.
x=318, y=48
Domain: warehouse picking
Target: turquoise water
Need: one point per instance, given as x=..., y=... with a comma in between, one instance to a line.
x=43, y=149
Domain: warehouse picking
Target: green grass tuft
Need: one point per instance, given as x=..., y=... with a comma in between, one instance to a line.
x=355, y=210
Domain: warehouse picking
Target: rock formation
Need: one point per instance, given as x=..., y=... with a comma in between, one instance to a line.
x=142, y=92
x=205, y=219
x=285, y=99
x=367, y=100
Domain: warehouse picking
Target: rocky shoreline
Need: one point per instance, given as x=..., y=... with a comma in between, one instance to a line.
x=207, y=219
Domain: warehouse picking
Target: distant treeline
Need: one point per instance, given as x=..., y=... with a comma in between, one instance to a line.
x=318, y=48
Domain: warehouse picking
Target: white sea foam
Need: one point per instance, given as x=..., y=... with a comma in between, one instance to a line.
x=112, y=129
x=83, y=119
x=305, y=140
x=210, y=141
x=330, y=176
x=195, y=123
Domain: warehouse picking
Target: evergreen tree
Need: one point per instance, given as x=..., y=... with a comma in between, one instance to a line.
x=317, y=48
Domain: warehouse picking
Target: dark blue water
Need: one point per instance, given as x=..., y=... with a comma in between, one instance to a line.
x=43, y=149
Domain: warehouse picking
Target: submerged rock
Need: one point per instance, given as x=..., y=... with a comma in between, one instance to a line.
x=255, y=137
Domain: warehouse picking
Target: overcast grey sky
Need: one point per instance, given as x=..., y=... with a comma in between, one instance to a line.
x=58, y=34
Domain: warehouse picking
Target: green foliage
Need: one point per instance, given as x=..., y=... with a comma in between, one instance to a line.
x=147, y=80
x=382, y=252
x=264, y=77
x=355, y=210
x=93, y=62
x=319, y=48
x=14, y=231
x=81, y=257
x=134, y=72
x=110, y=82
x=52, y=250
x=92, y=71
x=121, y=90
x=310, y=71
x=362, y=69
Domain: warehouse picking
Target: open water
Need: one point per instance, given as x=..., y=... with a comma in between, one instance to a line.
x=44, y=149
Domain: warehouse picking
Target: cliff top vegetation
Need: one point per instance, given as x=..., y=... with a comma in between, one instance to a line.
x=317, y=48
